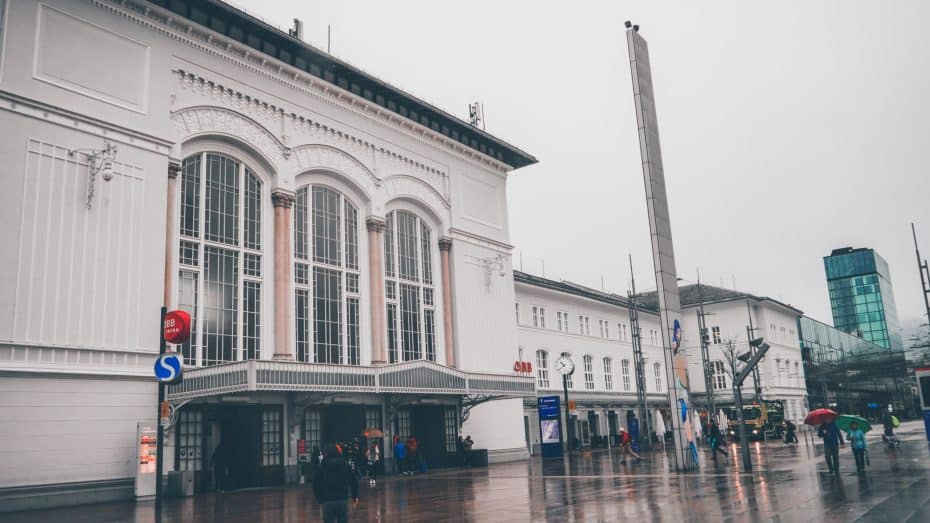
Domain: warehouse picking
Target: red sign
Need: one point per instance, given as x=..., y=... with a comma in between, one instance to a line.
x=523, y=366
x=177, y=327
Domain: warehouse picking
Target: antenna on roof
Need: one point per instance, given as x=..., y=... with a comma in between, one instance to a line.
x=329, y=38
x=298, y=30
x=476, y=114
x=603, y=289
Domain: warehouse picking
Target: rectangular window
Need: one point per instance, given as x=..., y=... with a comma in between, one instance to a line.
x=313, y=429
x=584, y=325
x=539, y=317
x=351, y=236
x=625, y=370
x=407, y=246
x=410, y=322
x=430, y=321
x=301, y=273
x=452, y=428
x=190, y=439
x=542, y=368
x=392, y=332
x=253, y=212
x=253, y=265
x=190, y=197
x=252, y=319
x=221, y=307
x=302, y=317
x=352, y=330
x=657, y=368
x=300, y=225
x=608, y=376
x=588, y=373
x=562, y=318
x=271, y=437
x=516, y=309
x=187, y=301
x=716, y=334
x=719, y=378
x=389, y=246
x=426, y=250
x=352, y=282
x=189, y=254
x=605, y=328
x=326, y=226
x=222, y=204
x=327, y=315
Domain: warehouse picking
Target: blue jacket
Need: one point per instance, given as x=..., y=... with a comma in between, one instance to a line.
x=400, y=452
x=857, y=438
x=832, y=437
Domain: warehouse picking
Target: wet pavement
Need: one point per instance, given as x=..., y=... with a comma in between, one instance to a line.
x=788, y=484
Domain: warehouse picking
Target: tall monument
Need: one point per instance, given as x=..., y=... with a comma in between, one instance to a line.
x=663, y=255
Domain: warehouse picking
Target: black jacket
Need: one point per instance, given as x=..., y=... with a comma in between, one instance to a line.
x=333, y=480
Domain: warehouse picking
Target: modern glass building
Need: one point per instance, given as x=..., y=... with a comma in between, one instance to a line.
x=861, y=297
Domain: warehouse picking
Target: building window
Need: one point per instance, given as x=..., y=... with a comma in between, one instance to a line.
x=716, y=333
x=271, y=437
x=220, y=279
x=568, y=378
x=621, y=332
x=326, y=275
x=625, y=371
x=608, y=375
x=588, y=373
x=517, y=312
x=403, y=423
x=542, y=369
x=605, y=328
x=313, y=429
x=452, y=428
x=190, y=439
x=719, y=378
x=584, y=325
x=411, y=313
x=539, y=317
x=657, y=368
x=562, y=318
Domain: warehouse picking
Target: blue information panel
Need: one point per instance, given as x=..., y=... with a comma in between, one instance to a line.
x=550, y=429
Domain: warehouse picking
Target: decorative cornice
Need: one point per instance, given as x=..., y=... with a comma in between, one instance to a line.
x=167, y=23
x=445, y=243
x=174, y=169
x=282, y=198
x=375, y=224
x=196, y=121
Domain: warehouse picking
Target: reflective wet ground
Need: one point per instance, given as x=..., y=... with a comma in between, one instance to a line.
x=789, y=483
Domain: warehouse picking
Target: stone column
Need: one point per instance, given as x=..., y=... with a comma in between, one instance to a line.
x=376, y=275
x=282, y=201
x=445, y=245
x=171, y=241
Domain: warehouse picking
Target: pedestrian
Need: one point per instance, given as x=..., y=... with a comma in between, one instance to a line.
x=400, y=456
x=857, y=442
x=717, y=442
x=626, y=446
x=832, y=439
x=220, y=463
x=332, y=485
x=460, y=448
x=469, y=443
x=412, y=448
x=373, y=456
x=790, y=436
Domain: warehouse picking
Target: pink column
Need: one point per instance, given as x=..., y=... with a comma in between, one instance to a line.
x=282, y=201
x=445, y=245
x=376, y=273
x=171, y=223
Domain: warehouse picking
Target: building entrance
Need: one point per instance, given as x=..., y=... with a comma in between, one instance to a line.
x=243, y=447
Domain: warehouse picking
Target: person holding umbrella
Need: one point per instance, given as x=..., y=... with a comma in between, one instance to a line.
x=832, y=437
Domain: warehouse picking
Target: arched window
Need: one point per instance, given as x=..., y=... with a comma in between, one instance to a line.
x=220, y=279
x=625, y=371
x=326, y=277
x=588, y=372
x=608, y=374
x=568, y=377
x=409, y=296
x=542, y=369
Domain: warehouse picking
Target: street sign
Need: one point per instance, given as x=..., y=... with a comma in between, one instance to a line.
x=573, y=406
x=177, y=327
x=169, y=368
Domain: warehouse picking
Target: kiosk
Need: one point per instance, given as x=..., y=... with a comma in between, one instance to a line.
x=923, y=385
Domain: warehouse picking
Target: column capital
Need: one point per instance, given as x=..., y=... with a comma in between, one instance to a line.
x=282, y=198
x=375, y=224
x=445, y=243
x=174, y=169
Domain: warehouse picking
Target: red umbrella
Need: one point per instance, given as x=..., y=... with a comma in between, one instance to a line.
x=816, y=417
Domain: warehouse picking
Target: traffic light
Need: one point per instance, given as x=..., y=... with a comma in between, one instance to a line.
x=744, y=357
x=705, y=339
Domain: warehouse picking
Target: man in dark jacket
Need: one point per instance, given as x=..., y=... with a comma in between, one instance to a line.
x=832, y=439
x=331, y=485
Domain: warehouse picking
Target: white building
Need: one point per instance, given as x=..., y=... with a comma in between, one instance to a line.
x=341, y=245
x=593, y=328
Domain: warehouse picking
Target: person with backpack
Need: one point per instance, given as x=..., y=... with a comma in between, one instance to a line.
x=790, y=436
x=333, y=484
x=400, y=456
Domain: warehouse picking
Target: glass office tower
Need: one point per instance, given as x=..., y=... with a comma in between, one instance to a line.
x=861, y=297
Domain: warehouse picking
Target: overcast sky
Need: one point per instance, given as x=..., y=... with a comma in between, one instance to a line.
x=787, y=130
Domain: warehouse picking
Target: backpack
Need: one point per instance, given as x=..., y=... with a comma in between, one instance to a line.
x=895, y=422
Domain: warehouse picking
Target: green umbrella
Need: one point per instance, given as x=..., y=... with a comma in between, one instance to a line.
x=845, y=419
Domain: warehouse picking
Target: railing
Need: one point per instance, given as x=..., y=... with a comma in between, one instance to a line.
x=411, y=377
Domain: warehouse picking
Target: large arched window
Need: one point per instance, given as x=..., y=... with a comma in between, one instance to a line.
x=409, y=296
x=220, y=278
x=326, y=277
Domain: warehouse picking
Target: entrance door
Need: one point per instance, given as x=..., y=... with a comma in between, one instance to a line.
x=426, y=424
x=240, y=434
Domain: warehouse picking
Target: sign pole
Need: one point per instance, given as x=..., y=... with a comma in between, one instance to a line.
x=568, y=415
x=160, y=449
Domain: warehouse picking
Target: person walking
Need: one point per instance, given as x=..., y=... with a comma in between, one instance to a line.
x=333, y=485
x=857, y=442
x=400, y=456
x=460, y=448
x=832, y=439
x=717, y=443
x=626, y=446
x=412, y=448
x=790, y=436
x=468, y=443
x=219, y=462
x=373, y=456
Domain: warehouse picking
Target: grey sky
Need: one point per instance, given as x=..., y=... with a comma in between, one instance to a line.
x=787, y=130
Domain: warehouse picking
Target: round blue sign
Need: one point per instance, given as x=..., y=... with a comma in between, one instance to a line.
x=169, y=368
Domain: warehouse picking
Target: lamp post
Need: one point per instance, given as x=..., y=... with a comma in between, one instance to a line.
x=566, y=367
